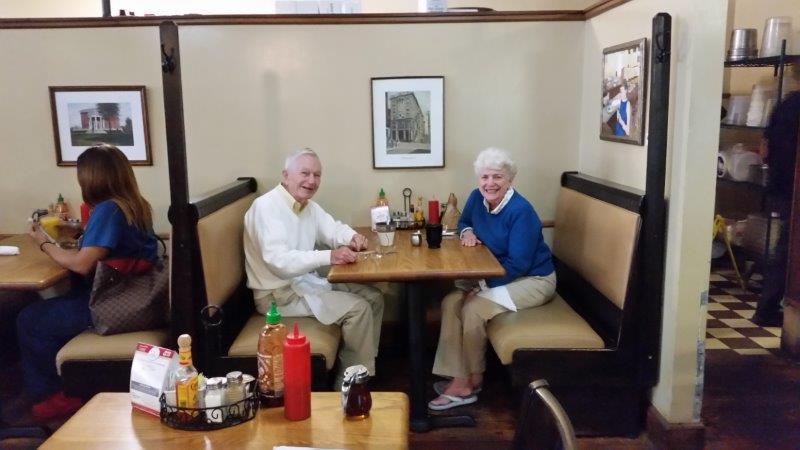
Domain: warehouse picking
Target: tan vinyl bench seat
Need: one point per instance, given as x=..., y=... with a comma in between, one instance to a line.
x=553, y=325
x=324, y=339
x=89, y=346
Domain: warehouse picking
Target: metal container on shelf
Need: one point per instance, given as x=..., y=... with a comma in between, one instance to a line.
x=743, y=44
x=759, y=174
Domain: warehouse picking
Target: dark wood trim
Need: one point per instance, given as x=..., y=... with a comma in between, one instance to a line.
x=185, y=261
x=214, y=200
x=299, y=19
x=607, y=191
x=601, y=7
x=652, y=239
x=792, y=292
x=665, y=435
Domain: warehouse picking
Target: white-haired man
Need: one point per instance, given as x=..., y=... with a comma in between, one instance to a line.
x=283, y=228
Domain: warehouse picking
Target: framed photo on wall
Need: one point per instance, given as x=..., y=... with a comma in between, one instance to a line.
x=407, y=122
x=623, y=104
x=84, y=116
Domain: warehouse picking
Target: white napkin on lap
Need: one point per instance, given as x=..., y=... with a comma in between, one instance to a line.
x=498, y=295
x=9, y=250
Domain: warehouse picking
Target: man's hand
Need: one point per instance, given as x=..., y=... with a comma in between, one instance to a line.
x=358, y=242
x=468, y=239
x=343, y=255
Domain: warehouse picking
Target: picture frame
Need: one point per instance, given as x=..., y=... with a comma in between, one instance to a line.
x=623, y=102
x=84, y=116
x=407, y=122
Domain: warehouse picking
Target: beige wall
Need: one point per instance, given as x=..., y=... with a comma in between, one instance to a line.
x=698, y=29
x=253, y=93
x=36, y=59
x=262, y=91
x=753, y=14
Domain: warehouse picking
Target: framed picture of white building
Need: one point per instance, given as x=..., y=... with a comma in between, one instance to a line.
x=407, y=122
x=84, y=116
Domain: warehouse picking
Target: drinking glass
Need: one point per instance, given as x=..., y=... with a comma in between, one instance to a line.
x=386, y=232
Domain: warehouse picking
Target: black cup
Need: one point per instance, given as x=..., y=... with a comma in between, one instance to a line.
x=433, y=234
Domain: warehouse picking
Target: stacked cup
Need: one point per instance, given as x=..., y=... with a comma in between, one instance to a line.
x=776, y=30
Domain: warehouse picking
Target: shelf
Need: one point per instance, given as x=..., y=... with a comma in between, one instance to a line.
x=769, y=61
x=740, y=184
x=741, y=127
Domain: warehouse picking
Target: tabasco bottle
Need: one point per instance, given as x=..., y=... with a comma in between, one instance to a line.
x=270, y=359
x=186, y=377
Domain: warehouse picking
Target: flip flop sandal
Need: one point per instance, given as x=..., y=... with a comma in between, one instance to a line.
x=441, y=385
x=454, y=402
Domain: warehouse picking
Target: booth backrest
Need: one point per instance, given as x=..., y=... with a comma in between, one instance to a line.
x=220, y=239
x=597, y=240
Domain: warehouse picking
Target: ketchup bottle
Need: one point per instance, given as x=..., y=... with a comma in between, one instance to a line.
x=296, y=376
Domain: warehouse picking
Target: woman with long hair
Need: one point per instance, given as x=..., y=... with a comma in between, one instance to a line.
x=118, y=232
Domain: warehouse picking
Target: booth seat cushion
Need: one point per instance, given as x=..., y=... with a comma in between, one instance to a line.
x=553, y=325
x=91, y=346
x=324, y=339
x=597, y=240
x=220, y=237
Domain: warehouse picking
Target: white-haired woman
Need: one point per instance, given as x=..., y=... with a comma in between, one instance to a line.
x=497, y=216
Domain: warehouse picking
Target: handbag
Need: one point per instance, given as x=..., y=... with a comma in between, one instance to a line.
x=122, y=303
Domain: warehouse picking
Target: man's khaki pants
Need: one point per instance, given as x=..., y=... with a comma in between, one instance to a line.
x=361, y=324
x=462, y=339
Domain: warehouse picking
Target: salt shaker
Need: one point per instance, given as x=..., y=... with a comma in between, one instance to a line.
x=215, y=399
x=416, y=239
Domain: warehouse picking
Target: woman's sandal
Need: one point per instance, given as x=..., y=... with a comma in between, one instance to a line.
x=441, y=385
x=454, y=402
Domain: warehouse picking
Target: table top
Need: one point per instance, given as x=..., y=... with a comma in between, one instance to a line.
x=107, y=421
x=31, y=270
x=409, y=263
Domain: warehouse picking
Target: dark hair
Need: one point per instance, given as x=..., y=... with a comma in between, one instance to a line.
x=104, y=173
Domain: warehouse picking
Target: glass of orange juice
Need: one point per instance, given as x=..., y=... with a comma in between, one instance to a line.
x=49, y=225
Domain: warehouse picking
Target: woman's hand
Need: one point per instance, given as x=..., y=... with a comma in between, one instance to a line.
x=37, y=234
x=468, y=239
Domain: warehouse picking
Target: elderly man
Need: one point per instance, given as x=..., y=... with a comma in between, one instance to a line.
x=282, y=230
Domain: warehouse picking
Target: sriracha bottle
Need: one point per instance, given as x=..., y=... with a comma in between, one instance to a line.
x=296, y=376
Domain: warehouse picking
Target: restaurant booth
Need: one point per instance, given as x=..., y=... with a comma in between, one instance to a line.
x=239, y=93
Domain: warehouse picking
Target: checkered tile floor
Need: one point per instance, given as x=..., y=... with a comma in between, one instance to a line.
x=729, y=311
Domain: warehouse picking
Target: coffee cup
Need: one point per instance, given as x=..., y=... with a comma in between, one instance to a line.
x=433, y=234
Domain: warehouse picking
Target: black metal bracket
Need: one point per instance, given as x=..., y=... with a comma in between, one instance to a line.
x=167, y=61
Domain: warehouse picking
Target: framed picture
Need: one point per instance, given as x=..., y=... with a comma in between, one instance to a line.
x=624, y=92
x=407, y=122
x=84, y=116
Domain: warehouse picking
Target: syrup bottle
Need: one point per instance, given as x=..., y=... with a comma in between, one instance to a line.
x=297, y=376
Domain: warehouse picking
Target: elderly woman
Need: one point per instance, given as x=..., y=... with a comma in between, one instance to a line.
x=498, y=217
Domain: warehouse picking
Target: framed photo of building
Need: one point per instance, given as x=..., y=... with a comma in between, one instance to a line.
x=624, y=92
x=407, y=122
x=84, y=116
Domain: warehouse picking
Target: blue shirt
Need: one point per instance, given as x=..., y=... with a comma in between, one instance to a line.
x=513, y=235
x=108, y=228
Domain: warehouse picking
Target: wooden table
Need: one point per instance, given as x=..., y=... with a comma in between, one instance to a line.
x=31, y=270
x=107, y=422
x=414, y=266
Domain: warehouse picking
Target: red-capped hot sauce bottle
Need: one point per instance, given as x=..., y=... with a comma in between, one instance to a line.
x=296, y=376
